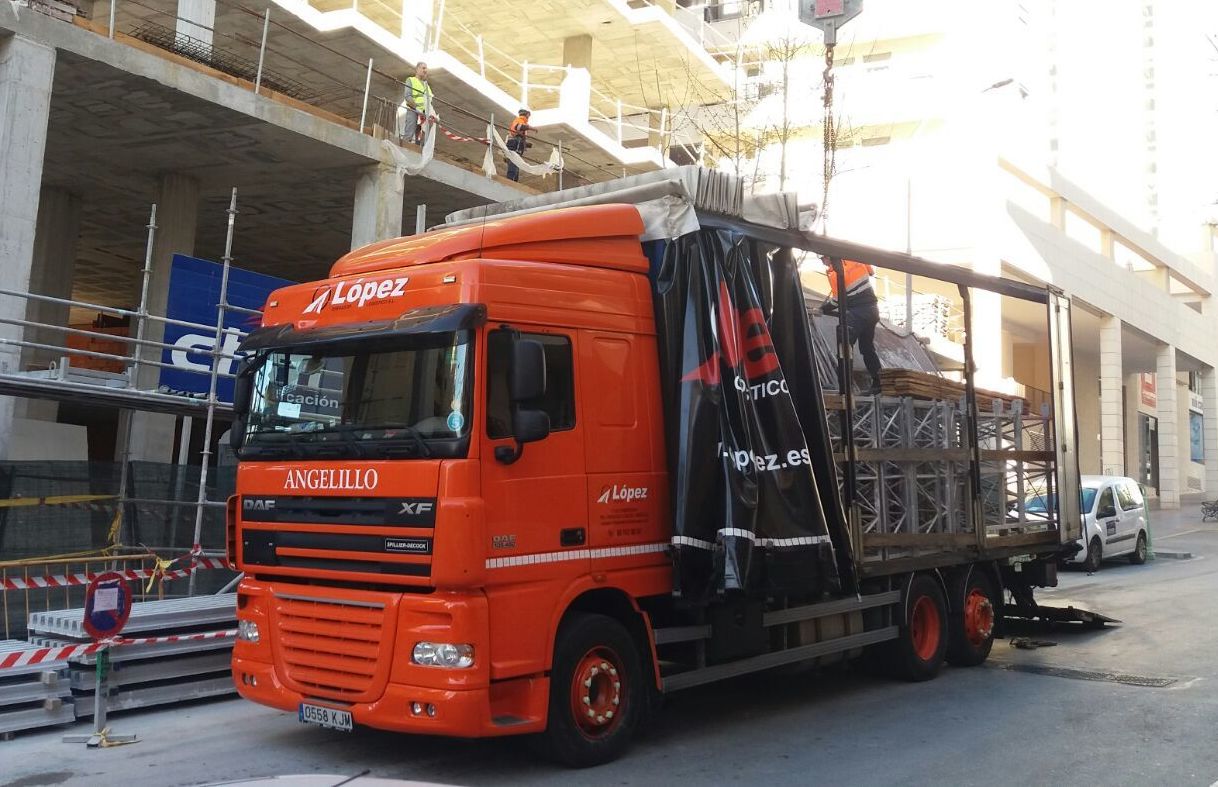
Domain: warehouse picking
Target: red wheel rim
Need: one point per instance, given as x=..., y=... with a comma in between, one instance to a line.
x=925, y=628
x=597, y=698
x=978, y=617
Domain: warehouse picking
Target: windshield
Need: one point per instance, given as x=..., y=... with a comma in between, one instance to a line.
x=406, y=398
x=1088, y=498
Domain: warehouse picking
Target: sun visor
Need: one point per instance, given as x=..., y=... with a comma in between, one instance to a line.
x=421, y=321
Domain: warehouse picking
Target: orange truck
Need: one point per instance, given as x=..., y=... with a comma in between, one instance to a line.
x=516, y=476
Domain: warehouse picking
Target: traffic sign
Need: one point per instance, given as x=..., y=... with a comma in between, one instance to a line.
x=107, y=605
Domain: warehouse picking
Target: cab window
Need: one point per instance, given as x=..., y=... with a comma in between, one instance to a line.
x=559, y=398
x=1106, y=507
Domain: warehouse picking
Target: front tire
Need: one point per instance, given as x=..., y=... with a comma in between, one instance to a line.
x=1095, y=555
x=1139, y=552
x=974, y=621
x=596, y=692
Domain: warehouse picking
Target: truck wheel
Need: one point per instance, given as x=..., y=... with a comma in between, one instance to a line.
x=1095, y=555
x=918, y=652
x=596, y=692
x=1139, y=552
x=973, y=623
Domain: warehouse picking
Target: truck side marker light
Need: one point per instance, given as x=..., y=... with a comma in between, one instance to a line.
x=450, y=278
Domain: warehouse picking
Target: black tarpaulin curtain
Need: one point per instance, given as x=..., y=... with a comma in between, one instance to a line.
x=754, y=490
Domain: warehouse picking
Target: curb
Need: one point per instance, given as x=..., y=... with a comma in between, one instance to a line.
x=1171, y=555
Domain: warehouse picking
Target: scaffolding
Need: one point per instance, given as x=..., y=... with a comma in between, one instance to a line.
x=58, y=575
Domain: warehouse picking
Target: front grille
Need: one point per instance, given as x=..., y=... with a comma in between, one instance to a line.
x=332, y=648
x=298, y=534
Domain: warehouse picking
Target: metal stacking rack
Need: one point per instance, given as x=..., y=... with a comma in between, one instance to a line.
x=912, y=466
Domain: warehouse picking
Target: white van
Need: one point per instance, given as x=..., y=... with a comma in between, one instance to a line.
x=1114, y=521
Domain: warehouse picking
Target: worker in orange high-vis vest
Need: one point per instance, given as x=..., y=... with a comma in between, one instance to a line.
x=862, y=312
x=518, y=140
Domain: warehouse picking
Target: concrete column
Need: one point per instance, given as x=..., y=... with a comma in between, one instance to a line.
x=27, y=70
x=577, y=51
x=378, y=206
x=1169, y=428
x=177, y=217
x=196, y=18
x=1209, y=393
x=1112, y=411
x=55, y=238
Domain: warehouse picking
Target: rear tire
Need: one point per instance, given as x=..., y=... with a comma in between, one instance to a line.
x=918, y=652
x=1139, y=552
x=973, y=622
x=596, y=692
x=1095, y=555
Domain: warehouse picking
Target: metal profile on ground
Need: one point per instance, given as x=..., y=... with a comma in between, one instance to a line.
x=170, y=616
x=34, y=695
x=149, y=696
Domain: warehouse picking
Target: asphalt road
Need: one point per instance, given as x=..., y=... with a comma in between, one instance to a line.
x=1072, y=713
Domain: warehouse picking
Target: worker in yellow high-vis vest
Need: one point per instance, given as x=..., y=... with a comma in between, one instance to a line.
x=416, y=105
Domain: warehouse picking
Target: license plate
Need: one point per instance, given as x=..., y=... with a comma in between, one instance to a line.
x=330, y=718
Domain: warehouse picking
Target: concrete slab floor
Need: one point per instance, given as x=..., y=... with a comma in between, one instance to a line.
x=994, y=725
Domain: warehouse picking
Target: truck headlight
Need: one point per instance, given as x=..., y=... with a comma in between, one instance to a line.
x=247, y=631
x=443, y=654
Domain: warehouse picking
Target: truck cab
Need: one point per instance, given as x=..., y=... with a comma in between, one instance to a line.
x=444, y=447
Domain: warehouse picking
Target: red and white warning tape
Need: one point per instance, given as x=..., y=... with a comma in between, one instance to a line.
x=36, y=655
x=461, y=138
x=132, y=574
x=66, y=580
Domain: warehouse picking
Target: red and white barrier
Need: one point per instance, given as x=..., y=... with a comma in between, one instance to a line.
x=37, y=655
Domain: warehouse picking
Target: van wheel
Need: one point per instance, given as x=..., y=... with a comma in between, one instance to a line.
x=596, y=699
x=972, y=634
x=1095, y=555
x=917, y=654
x=1139, y=552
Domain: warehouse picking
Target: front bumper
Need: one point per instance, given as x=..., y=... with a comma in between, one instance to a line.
x=463, y=713
x=1080, y=556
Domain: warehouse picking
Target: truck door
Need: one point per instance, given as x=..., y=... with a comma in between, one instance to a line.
x=627, y=483
x=536, y=510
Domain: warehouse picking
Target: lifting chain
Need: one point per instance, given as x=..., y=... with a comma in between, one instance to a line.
x=830, y=141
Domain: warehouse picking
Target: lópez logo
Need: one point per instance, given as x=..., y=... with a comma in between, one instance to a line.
x=620, y=493
x=357, y=293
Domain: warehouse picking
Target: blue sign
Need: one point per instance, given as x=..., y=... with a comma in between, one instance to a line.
x=194, y=296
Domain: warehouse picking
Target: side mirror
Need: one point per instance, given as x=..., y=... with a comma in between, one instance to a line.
x=243, y=384
x=528, y=376
x=526, y=385
x=236, y=434
x=1106, y=513
x=529, y=426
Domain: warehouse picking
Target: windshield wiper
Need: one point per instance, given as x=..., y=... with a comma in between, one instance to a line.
x=410, y=431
